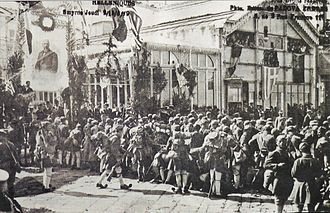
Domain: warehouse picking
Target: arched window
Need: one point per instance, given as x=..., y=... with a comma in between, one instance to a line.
x=209, y=62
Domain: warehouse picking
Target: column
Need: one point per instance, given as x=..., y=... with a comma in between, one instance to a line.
x=151, y=82
x=102, y=98
x=130, y=76
x=118, y=93
x=95, y=88
x=110, y=96
x=285, y=110
x=170, y=84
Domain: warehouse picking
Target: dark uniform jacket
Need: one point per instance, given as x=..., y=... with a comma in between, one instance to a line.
x=305, y=170
x=283, y=182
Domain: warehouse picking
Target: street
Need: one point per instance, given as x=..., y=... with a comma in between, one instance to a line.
x=82, y=196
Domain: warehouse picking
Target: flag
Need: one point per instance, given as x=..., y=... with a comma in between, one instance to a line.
x=270, y=75
x=120, y=29
x=28, y=34
x=136, y=23
x=236, y=51
x=179, y=71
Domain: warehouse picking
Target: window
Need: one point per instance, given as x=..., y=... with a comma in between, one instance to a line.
x=202, y=60
x=194, y=60
x=51, y=100
x=92, y=78
x=265, y=31
x=45, y=96
x=209, y=61
x=165, y=57
x=298, y=68
x=210, y=83
x=155, y=57
x=41, y=97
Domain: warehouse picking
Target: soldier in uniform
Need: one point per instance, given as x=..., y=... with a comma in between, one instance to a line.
x=114, y=157
x=76, y=137
x=7, y=203
x=8, y=160
x=179, y=156
x=280, y=162
x=63, y=133
x=46, y=147
x=137, y=148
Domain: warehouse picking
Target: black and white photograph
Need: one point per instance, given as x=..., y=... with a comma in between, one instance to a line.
x=138, y=106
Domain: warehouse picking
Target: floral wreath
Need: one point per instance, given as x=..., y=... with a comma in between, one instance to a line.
x=46, y=26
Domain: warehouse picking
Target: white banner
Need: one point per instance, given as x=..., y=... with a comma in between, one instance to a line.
x=270, y=75
x=46, y=57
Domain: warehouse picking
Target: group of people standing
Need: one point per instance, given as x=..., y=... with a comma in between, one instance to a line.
x=214, y=153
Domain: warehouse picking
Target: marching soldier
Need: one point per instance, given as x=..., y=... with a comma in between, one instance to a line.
x=46, y=146
x=76, y=140
x=63, y=132
x=114, y=157
x=179, y=156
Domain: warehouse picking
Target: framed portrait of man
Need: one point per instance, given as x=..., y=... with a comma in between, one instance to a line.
x=47, y=59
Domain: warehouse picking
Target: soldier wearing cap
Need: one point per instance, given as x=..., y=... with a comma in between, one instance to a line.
x=32, y=129
x=89, y=147
x=7, y=203
x=216, y=147
x=179, y=159
x=114, y=156
x=322, y=148
x=279, y=119
x=280, y=163
x=75, y=144
x=46, y=147
x=138, y=147
x=307, y=118
x=63, y=134
x=8, y=160
x=305, y=170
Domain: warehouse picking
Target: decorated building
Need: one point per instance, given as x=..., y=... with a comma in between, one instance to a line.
x=241, y=57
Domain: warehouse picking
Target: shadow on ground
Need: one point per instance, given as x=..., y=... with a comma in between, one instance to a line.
x=82, y=194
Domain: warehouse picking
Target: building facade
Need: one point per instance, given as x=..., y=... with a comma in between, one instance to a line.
x=229, y=50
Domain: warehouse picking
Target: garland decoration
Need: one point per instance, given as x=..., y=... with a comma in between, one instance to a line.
x=108, y=70
x=42, y=22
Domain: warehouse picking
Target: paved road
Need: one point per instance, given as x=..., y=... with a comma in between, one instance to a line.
x=83, y=196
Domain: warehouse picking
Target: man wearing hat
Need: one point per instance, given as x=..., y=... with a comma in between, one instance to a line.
x=8, y=160
x=178, y=156
x=63, y=134
x=216, y=147
x=279, y=119
x=322, y=148
x=114, y=157
x=305, y=170
x=307, y=118
x=75, y=140
x=32, y=129
x=46, y=147
x=7, y=204
x=280, y=163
